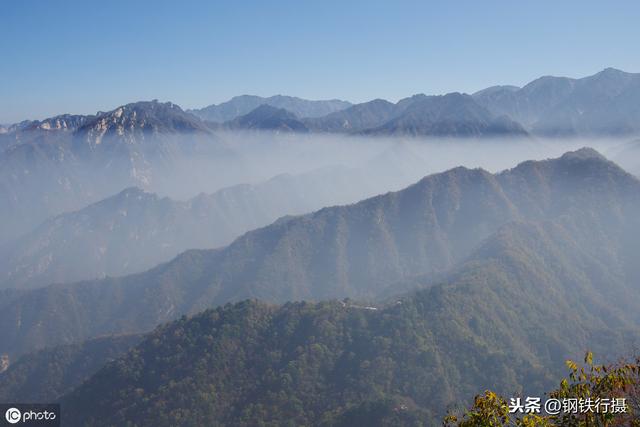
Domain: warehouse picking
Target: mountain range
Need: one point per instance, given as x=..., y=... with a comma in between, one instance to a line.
x=516, y=271
x=452, y=115
x=506, y=319
x=605, y=104
x=66, y=162
x=602, y=105
x=556, y=275
x=136, y=230
x=158, y=268
x=357, y=251
x=241, y=105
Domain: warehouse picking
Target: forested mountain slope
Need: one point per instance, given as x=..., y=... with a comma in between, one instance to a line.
x=507, y=318
x=350, y=251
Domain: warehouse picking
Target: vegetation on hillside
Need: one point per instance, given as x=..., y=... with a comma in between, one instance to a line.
x=47, y=374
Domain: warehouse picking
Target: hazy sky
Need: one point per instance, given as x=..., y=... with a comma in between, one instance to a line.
x=83, y=56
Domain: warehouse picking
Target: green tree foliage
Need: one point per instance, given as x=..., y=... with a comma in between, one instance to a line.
x=46, y=375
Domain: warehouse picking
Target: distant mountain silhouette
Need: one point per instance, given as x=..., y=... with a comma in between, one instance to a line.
x=241, y=105
x=356, y=118
x=605, y=104
x=270, y=118
x=452, y=115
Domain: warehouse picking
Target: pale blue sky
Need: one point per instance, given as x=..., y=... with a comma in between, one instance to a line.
x=84, y=56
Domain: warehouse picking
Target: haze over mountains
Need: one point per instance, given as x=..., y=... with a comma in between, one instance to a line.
x=64, y=163
x=338, y=263
x=350, y=251
x=47, y=169
x=136, y=230
x=520, y=270
x=55, y=166
x=495, y=323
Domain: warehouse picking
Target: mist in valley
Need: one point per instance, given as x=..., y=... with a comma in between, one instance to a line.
x=390, y=163
x=197, y=193
x=422, y=240
x=318, y=214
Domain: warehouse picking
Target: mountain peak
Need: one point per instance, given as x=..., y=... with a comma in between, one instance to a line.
x=126, y=197
x=455, y=95
x=610, y=71
x=583, y=153
x=268, y=117
x=132, y=192
x=146, y=107
x=575, y=168
x=580, y=155
x=492, y=90
x=615, y=80
x=146, y=116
